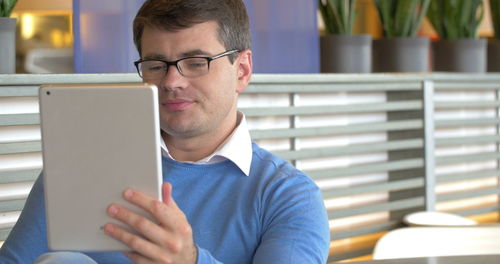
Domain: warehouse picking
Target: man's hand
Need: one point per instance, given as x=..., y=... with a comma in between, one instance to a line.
x=170, y=241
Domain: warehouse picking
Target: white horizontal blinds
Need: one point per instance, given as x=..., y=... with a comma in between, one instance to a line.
x=467, y=139
x=20, y=157
x=360, y=137
x=336, y=131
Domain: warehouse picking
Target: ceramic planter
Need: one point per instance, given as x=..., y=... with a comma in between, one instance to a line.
x=459, y=55
x=405, y=54
x=346, y=53
x=494, y=56
x=7, y=45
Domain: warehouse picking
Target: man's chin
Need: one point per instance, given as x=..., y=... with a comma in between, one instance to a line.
x=180, y=131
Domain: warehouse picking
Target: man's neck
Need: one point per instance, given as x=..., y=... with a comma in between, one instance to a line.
x=196, y=148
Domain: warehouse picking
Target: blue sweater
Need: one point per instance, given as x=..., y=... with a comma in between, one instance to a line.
x=274, y=215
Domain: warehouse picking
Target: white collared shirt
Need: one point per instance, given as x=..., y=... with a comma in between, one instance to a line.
x=237, y=148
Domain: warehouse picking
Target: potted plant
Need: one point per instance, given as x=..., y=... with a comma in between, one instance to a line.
x=459, y=48
x=494, y=45
x=341, y=51
x=400, y=50
x=7, y=37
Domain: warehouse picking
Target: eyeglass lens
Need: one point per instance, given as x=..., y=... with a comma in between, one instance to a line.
x=189, y=67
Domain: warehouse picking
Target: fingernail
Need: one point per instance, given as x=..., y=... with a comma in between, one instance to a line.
x=128, y=193
x=108, y=228
x=113, y=210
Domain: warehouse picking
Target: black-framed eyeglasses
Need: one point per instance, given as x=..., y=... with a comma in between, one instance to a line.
x=155, y=69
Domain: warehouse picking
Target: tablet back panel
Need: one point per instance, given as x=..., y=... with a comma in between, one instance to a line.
x=97, y=140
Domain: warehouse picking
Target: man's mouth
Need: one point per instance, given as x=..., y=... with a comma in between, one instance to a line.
x=176, y=104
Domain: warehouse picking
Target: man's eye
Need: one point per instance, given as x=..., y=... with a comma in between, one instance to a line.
x=197, y=64
x=155, y=68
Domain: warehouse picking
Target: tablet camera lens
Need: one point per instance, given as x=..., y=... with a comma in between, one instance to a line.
x=48, y=92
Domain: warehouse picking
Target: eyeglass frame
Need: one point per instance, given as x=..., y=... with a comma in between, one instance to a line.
x=176, y=62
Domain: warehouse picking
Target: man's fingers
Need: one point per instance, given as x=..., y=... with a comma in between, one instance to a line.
x=167, y=239
x=148, y=250
x=137, y=222
x=166, y=193
x=166, y=213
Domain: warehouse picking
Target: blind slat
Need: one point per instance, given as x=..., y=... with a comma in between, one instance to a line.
x=13, y=134
x=374, y=187
x=456, y=177
x=479, y=211
x=466, y=104
x=466, y=85
x=19, y=119
x=336, y=130
x=15, y=191
x=350, y=149
x=14, y=205
x=332, y=109
x=19, y=176
x=23, y=161
x=466, y=158
x=467, y=194
x=331, y=87
x=14, y=91
x=466, y=140
x=23, y=147
x=8, y=219
x=365, y=169
x=467, y=122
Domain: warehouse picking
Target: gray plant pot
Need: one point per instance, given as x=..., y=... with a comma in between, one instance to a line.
x=405, y=54
x=494, y=56
x=459, y=55
x=346, y=53
x=7, y=45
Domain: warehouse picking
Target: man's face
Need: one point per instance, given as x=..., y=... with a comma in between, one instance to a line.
x=195, y=106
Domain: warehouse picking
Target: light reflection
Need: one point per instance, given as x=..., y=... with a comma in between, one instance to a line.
x=28, y=26
x=57, y=38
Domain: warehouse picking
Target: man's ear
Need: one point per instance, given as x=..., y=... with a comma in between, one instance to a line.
x=244, y=69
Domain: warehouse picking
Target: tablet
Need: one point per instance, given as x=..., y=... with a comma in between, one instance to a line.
x=97, y=140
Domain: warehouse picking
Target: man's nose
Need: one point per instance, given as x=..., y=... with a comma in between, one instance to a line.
x=173, y=79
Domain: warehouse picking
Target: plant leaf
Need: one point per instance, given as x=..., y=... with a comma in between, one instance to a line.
x=338, y=15
x=453, y=19
x=401, y=18
x=420, y=18
x=495, y=17
x=6, y=7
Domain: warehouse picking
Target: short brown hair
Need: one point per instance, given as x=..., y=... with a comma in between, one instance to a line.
x=174, y=15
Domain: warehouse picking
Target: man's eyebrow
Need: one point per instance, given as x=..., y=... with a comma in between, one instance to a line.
x=189, y=53
x=196, y=52
x=154, y=57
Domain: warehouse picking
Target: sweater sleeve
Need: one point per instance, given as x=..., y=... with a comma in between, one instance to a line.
x=295, y=222
x=27, y=240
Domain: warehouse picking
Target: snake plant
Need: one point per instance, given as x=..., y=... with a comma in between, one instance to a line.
x=338, y=15
x=495, y=17
x=401, y=18
x=455, y=19
x=6, y=7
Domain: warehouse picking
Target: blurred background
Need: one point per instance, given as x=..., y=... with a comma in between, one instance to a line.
x=94, y=36
x=44, y=41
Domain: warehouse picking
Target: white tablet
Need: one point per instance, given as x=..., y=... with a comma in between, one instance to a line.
x=97, y=140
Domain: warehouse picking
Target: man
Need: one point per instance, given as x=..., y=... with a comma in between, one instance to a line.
x=225, y=200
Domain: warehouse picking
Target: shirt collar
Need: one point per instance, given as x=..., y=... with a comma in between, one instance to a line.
x=237, y=148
